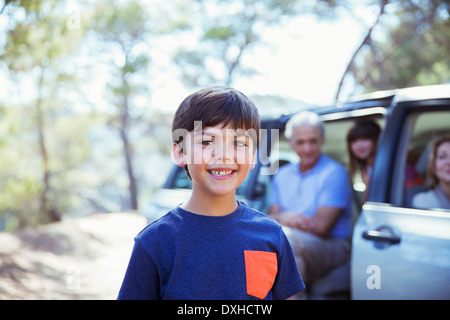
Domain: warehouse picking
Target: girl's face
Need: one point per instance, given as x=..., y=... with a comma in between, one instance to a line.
x=363, y=148
x=218, y=159
x=442, y=163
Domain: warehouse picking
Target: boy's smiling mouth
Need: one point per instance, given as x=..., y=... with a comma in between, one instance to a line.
x=221, y=172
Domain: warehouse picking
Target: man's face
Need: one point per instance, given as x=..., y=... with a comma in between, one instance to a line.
x=307, y=141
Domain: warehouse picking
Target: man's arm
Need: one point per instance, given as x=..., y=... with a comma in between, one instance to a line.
x=324, y=220
x=274, y=210
x=320, y=224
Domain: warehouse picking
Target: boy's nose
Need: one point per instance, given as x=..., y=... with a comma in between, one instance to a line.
x=222, y=154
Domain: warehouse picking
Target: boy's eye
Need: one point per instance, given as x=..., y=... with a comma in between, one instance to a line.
x=240, y=144
x=207, y=142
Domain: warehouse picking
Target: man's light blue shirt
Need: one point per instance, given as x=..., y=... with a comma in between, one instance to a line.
x=325, y=185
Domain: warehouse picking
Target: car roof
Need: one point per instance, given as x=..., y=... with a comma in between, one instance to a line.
x=406, y=94
x=372, y=103
x=423, y=93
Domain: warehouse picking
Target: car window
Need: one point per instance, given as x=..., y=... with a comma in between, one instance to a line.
x=181, y=180
x=425, y=126
x=335, y=147
x=335, y=140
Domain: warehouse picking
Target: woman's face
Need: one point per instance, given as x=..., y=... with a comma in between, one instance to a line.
x=442, y=162
x=362, y=148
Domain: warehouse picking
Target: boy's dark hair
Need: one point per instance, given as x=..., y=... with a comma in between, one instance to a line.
x=214, y=105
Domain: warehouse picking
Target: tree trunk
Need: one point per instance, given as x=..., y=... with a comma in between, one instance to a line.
x=50, y=213
x=128, y=154
x=365, y=41
x=129, y=163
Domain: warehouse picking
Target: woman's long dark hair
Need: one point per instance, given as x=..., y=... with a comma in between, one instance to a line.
x=368, y=129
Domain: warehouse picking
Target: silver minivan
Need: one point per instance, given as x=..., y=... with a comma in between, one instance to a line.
x=397, y=252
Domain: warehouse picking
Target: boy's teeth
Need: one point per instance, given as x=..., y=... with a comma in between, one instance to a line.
x=221, y=173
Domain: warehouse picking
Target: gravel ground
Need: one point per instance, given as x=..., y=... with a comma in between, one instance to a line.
x=82, y=258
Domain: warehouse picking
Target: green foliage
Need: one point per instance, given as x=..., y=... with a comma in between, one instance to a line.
x=220, y=33
x=19, y=202
x=414, y=51
x=123, y=24
x=32, y=168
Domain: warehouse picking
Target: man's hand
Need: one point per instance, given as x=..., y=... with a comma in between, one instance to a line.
x=296, y=220
x=320, y=224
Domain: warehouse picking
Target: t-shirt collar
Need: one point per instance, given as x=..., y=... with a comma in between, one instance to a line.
x=313, y=169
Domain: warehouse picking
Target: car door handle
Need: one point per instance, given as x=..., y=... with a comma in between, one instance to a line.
x=382, y=234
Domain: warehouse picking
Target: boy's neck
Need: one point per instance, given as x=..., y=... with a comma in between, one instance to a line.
x=219, y=206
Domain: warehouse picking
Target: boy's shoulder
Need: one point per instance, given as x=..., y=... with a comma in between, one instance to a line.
x=255, y=214
x=162, y=226
x=257, y=217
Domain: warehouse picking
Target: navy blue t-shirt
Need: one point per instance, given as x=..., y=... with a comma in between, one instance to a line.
x=183, y=255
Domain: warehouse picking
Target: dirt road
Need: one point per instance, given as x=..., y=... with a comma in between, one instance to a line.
x=83, y=258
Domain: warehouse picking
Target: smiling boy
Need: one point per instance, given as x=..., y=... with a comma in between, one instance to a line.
x=213, y=246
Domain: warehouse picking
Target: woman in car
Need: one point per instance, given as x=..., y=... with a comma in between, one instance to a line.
x=438, y=177
x=362, y=140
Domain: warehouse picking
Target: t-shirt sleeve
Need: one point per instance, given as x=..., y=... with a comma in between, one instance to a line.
x=141, y=280
x=335, y=189
x=288, y=280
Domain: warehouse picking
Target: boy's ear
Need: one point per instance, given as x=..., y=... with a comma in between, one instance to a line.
x=253, y=161
x=178, y=155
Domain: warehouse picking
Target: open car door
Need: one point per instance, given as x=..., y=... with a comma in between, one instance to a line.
x=399, y=252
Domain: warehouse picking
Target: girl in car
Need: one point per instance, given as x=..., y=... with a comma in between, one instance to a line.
x=362, y=140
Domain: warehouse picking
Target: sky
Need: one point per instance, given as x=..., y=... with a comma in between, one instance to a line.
x=303, y=60
x=309, y=62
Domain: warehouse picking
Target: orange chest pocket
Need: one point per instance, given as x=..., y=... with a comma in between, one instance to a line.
x=260, y=271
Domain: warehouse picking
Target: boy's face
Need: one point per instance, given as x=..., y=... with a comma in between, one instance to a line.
x=218, y=158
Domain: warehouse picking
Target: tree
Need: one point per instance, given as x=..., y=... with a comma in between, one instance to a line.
x=229, y=29
x=33, y=51
x=124, y=28
x=366, y=41
x=126, y=31
x=413, y=51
